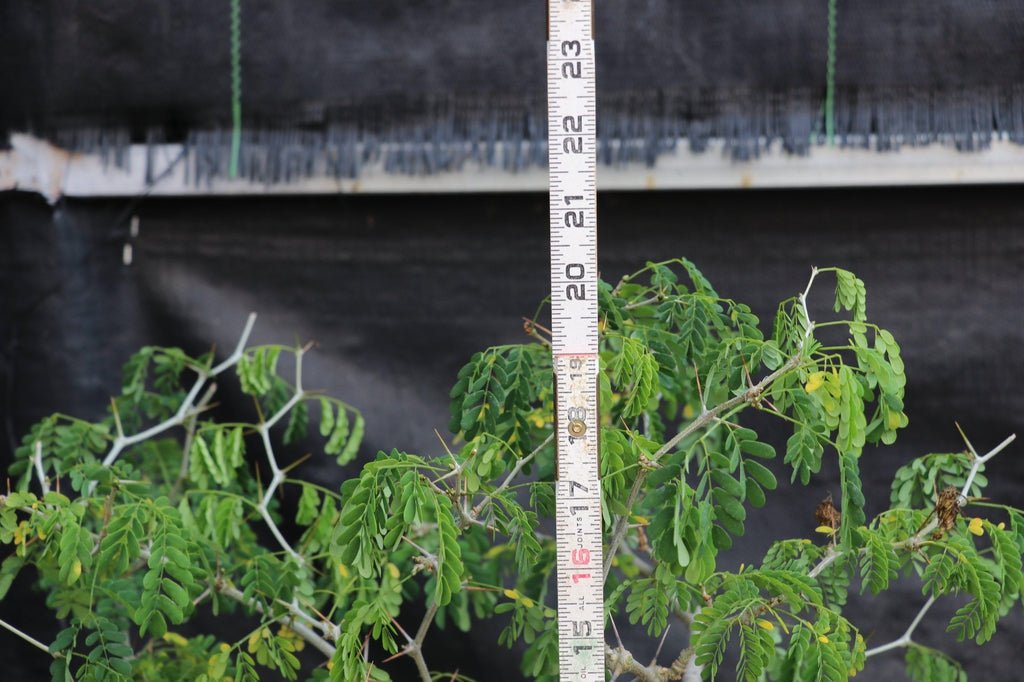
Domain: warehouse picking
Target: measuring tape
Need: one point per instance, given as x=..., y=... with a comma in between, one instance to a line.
x=572, y=169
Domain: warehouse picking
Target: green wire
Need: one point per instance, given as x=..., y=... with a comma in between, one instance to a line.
x=236, y=86
x=830, y=77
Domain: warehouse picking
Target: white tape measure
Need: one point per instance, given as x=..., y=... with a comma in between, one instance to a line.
x=572, y=162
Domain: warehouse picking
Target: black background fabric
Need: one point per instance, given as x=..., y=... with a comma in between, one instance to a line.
x=743, y=68
x=399, y=291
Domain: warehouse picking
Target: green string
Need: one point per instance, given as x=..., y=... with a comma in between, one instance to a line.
x=830, y=77
x=236, y=85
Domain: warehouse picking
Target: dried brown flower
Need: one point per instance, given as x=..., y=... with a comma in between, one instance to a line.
x=947, y=507
x=827, y=514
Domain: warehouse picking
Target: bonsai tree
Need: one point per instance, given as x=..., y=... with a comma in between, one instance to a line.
x=160, y=512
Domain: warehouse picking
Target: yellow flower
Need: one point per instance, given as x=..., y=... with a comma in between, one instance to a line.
x=393, y=570
x=527, y=602
x=976, y=526
x=512, y=594
x=814, y=382
x=825, y=530
x=76, y=570
x=175, y=639
x=343, y=570
x=688, y=411
x=765, y=624
x=224, y=647
x=1001, y=526
x=823, y=639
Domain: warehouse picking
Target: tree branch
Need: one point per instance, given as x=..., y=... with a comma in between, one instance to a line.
x=28, y=638
x=38, y=461
x=979, y=460
x=706, y=417
x=619, y=660
x=904, y=640
x=185, y=409
x=748, y=396
x=190, y=434
x=294, y=619
x=833, y=554
x=475, y=512
x=414, y=645
x=278, y=474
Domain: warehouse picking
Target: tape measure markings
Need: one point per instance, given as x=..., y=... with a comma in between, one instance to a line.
x=572, y=167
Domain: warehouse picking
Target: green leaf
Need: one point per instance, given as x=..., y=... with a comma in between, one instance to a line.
x=326, y=417
x=1007, y=555
x=121, y=544
x=958, y=567
x=650, y=599
x=852, y=431
x=309, y=506
x=917, y=483
x=634, y=372
x=803, y=453
x=928, y=665
x=757, y=650
x=298, y=424
x=9, y=571
x=713, y=626
x=109, y=658
x=449, y=554
x=166, y=583
x=355, y=437
x=853, y=498
x=851, y=294
x=74, y=548
x=879, y=563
